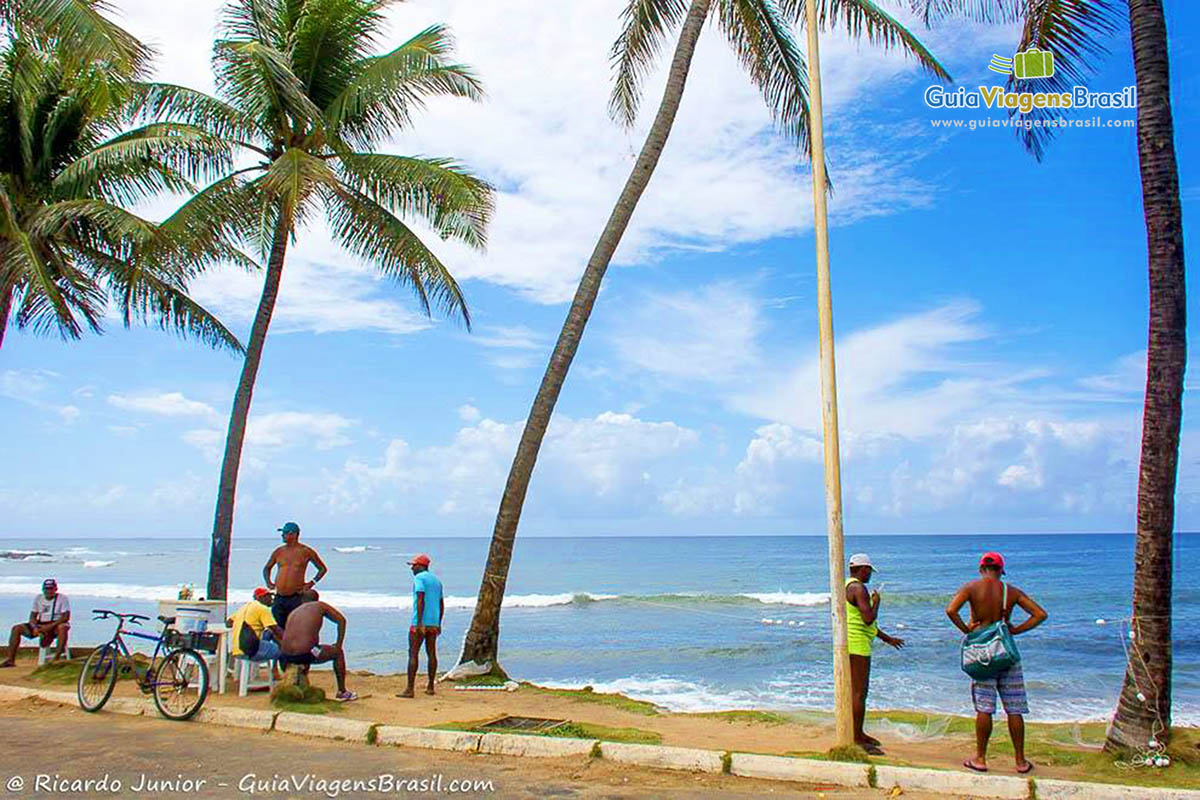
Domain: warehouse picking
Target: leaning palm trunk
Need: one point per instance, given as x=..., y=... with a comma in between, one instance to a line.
x=5, y=310
x=1144, y=710
x=218, y=564
x=483, y=636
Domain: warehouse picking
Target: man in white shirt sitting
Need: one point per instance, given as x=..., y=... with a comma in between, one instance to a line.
x=49, y=620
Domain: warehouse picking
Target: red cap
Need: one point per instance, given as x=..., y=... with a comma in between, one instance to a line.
x=261, y=591
x=419, y=560
x=992, y=560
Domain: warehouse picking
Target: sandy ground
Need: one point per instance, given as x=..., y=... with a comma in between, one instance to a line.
x=810, y=733
x=65, y=745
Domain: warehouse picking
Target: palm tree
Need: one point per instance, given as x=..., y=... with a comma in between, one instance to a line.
x=67, y=246
x=303, y=103
x=1072, y=30
x=759, y=32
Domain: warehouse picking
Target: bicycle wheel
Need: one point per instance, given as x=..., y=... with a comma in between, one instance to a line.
x=97, y=678
x=181, y=673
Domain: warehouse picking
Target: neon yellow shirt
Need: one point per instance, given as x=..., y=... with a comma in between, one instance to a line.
x=859, y=635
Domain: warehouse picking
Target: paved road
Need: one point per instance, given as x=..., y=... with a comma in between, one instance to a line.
x=66, y=746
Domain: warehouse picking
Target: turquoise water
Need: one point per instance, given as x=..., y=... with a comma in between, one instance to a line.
x=690, y=623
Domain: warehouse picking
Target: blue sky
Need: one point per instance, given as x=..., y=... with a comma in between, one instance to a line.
x=990, y=310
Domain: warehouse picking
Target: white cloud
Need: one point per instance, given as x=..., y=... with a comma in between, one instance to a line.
x=709, y=334
x=468, y=413
x=603, y=464
x=166, y=404
x=29, y=386
x=267, y=433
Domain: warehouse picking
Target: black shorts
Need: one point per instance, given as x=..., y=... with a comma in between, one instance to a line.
x=284, y=605
x=312, y=656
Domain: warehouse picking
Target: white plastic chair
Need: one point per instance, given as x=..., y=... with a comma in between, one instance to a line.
x=44, y=654
x=253, y=675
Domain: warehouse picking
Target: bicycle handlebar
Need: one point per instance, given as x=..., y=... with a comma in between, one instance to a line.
x=104, y=613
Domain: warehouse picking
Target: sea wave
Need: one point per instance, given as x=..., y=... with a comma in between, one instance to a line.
x=362, y=548
x=95, y=564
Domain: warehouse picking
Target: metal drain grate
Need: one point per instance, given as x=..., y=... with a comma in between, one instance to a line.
x=524, y=724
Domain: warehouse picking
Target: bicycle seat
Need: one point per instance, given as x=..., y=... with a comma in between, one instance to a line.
x=166, y=620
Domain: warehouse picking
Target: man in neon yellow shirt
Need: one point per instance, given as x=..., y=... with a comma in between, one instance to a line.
x=256, y=634
x=862, y=610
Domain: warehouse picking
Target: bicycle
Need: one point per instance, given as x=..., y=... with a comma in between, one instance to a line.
x=181, y=670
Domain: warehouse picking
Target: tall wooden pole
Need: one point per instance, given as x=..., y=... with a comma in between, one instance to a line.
x=829, y=415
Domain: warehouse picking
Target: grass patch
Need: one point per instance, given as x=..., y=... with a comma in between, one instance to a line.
x=572, y=730
x=65, y=671
x=323, y=707
x=481, y=680
x=747, y=716
x=302, y=699
x=588, y=695
x=851, y=753
x=1101, y=767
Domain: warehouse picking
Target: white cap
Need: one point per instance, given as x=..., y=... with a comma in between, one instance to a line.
x=861, y=560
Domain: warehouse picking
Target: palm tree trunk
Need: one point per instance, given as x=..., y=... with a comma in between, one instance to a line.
x=1148, y=673
x=483, y=636
x=218, y=560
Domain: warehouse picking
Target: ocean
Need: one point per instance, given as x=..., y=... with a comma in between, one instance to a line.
x=689, y=623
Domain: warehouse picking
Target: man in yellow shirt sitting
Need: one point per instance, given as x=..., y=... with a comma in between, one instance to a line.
x=256, y=634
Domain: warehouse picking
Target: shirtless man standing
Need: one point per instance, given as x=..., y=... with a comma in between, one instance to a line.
x=301, y=640
x=290, y=582
x=991, y=601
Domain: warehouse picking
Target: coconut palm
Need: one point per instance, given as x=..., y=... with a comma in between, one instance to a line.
x=1073, y=30
x=303, y=103
x=89, y=36
x=68, y=247
x=759, y=31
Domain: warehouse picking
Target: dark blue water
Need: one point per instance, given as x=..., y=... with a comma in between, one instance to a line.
x=691, y=623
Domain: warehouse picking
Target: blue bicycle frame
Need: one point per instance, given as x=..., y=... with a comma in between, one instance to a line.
x=116, y=648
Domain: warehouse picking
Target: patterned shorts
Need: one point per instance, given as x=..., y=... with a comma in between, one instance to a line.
x=1010, y=685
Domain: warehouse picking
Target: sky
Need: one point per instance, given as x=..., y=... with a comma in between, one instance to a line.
x=990, y=311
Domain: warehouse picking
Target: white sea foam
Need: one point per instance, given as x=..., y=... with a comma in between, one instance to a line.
x=356, y=549
x=95, y=564
x=788, y=598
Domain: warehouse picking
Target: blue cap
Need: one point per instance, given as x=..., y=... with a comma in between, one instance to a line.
x=290, y=527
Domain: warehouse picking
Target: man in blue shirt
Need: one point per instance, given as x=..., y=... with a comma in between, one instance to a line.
x=428, y=610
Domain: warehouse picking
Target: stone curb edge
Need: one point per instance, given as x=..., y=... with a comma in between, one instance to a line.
x=778, y=768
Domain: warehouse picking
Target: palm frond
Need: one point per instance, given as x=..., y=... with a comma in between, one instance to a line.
x=989, y=12
x=645, y=25
x=292, y=182
x=1074, y=30
x=368, y=230
x=141, y=162
x=327, y=40
x=81, y=28
x=863, y=19
x=258, y=81
x=456, y=203
x=164, y=102
x=386, y=90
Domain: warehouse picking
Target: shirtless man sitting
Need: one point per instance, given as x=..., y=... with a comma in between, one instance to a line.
x=991, y=601
x=301, y=640
x=291, y=580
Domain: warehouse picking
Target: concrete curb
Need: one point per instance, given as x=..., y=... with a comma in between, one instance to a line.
x=804, y=770
x=16, y=692
x=1073, y=790
x=686, y=759
x=953, y=783
x=130, y=706
x=69, y=698
x=237, y=718
x=352, y=730
x=507, y=744
x=458, y=741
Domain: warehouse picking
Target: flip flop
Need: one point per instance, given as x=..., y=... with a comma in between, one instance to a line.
x=872, y=749
x=971, y=765
x=1027, y=769
x=345, y=698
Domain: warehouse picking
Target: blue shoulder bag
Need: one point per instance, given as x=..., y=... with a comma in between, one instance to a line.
x=990, y=650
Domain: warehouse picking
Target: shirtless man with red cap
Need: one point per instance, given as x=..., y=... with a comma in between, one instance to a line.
x=993, y=600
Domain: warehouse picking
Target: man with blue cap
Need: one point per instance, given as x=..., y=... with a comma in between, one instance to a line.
x=291, y=581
